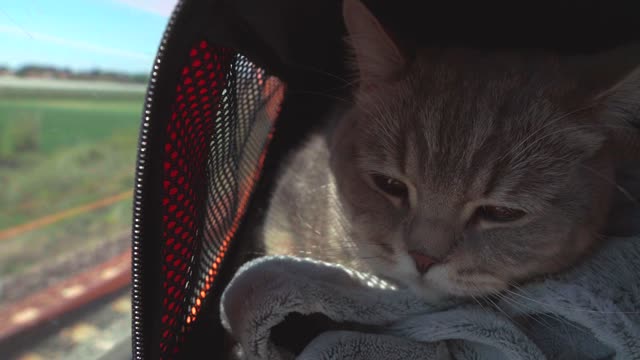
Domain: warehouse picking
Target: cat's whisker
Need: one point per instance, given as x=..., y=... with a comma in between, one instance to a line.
x=560, y=131
x=344, y=81
x=568, y=308
x=622, y=190
x=550, y=314
x=540, y=318
x=365, y=110
x=517, y=305
x=544, y=127
x=539, y=140
x=496, y=306
x=478, y=302
x=326, y=95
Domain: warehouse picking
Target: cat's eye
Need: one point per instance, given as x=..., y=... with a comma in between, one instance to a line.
x=499, y=214
x=390, y=186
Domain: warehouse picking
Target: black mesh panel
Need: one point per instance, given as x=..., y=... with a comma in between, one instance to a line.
x=220, y=125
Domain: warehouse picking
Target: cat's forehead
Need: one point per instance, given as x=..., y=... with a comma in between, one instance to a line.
x=458, y=94
x=448, y=122
x=445, y=103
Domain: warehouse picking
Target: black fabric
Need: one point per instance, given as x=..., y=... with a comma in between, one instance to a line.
x=301, y=43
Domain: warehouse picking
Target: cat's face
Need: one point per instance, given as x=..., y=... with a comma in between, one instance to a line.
x=462, y=173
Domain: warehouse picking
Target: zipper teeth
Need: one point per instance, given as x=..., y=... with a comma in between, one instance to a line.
x=137, y=234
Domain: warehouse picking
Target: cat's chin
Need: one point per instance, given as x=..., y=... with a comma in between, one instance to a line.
x=437, y=287
x=430, y=294
x=402, y=272
x=436, y=293
x=408, y=278
x=440, y=280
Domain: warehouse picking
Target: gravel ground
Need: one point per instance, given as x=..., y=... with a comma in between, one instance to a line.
x=46, y=274
x=87, y=337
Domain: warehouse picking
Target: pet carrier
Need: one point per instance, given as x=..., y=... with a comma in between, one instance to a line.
x=238, y=84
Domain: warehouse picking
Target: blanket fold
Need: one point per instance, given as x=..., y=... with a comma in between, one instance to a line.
x=590, y=312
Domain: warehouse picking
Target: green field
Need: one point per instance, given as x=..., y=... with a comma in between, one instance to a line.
x=60, y=149
x=64, y=118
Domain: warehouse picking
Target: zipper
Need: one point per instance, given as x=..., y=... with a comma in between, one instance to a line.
x=137, y=333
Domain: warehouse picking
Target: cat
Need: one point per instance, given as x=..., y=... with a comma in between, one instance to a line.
x=460, y=172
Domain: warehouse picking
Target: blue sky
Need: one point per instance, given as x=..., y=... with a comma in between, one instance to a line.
x=120, y=35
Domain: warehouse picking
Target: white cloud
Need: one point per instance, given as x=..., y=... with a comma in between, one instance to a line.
x=104, y=50
x=159, y=7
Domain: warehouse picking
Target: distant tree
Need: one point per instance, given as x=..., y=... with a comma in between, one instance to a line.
x=30, y=70
x=140, y=78
x=24, y=70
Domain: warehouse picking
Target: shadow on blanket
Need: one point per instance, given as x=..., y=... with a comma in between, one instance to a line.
x=296, y=331
x=292, y=308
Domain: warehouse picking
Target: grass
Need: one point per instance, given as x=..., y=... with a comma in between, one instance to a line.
x=67, y=122
x=49, y=243
x=58, y=150
x=68, y=177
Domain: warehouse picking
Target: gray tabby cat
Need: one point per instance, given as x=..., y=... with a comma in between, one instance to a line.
x=458, y=172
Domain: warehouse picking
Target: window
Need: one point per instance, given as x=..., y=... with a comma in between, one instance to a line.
x=72, y=80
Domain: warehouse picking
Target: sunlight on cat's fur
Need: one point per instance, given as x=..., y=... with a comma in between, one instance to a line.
x=496, y=166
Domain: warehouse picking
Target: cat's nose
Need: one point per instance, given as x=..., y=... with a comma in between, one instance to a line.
x=423, y=261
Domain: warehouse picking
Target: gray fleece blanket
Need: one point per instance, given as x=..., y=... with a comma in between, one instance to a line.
x=293, y=308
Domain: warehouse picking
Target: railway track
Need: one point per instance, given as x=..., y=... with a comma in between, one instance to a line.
x=49, y=310
x=61, y=285
x=70, y=304
x=66, y=296
x=46, y=273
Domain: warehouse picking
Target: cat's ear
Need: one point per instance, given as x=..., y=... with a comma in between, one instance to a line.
x=619, y=102
x=376, y=55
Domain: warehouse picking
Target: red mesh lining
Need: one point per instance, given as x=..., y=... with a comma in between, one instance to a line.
x=220, y=126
